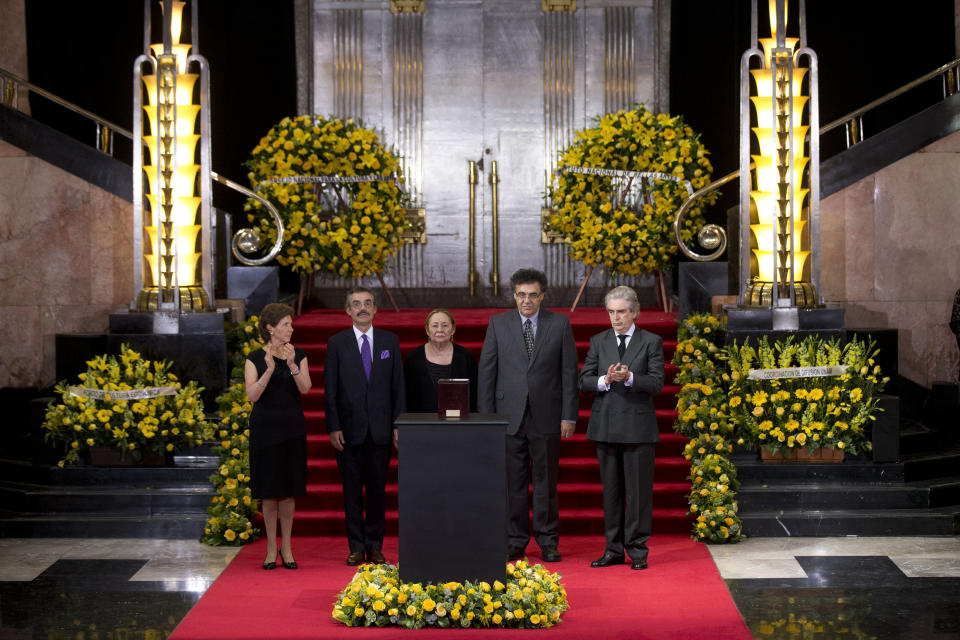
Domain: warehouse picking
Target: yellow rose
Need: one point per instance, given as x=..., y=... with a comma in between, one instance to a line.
x=230, y=535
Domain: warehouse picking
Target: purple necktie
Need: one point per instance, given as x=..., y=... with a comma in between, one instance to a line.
x=365, y=356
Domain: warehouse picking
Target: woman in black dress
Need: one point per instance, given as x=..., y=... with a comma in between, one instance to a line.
x=438, y=358
x=276, y=376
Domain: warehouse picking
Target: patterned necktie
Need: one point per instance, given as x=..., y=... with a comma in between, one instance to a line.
x=528, y=336
x=365, y=356
x=622, y=347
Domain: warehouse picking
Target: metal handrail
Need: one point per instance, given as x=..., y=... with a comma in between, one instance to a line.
x=713, y=230
x=103, y=124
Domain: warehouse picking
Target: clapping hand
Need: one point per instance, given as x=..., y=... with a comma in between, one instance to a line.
x=617, y=373
x=286, y=352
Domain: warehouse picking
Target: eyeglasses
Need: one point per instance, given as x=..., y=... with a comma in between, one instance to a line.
x=356, y=304
x=523, y=295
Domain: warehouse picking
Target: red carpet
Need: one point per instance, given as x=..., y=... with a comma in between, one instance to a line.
x=680, y=596
x=320, y=513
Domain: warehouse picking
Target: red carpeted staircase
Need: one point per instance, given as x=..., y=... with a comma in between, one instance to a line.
x=320, y=513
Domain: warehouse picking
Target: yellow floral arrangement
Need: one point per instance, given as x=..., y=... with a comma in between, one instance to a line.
x=112, y=408
x=703, y=415
x=625, y=222
x=232, y=507
x=804, y=412
x=338, y=191
x=529, y=598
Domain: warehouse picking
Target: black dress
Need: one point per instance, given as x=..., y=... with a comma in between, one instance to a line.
x=278, y=433
x=422, y=389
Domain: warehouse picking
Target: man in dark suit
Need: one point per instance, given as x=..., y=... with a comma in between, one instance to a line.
x=528, y=371
x=364, y=395
x=624, y=368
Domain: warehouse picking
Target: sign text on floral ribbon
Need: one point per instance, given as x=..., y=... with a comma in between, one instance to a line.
x=797, y=372
x=131, y=394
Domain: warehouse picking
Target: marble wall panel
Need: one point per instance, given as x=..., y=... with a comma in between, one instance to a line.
x=893, y=257
x=917, y=227
x=7, y=150
x=21, y=345
x=67, y=263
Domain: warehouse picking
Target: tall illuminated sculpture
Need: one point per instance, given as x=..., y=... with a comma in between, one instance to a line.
x=173, y=247
x=779, y=168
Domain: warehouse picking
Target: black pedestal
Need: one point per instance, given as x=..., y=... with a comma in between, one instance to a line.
x=452, y=498
x=885, y=430
x=198, y=352
x=698, y=283
x=746, y=324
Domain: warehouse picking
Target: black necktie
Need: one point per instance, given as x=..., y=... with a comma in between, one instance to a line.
x=622, y=347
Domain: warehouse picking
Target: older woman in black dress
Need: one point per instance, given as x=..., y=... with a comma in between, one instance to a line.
x=276, y=376
x=437, y=359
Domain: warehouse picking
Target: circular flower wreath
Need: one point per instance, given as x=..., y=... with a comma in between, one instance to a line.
x=601, y=217
x=349, y=228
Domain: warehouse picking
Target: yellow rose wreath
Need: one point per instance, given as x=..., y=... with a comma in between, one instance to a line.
x=338, y=190
x=618, y=187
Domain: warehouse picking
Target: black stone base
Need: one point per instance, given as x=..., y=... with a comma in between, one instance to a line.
x=746, y=324
x=698, y=282
x=198, y=352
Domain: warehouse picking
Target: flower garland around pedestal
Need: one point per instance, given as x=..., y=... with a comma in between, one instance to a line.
x=703, y=415
x=338, y=191
x=232, y=507
x=530, y=598
x=619, y=220
x=126, y=403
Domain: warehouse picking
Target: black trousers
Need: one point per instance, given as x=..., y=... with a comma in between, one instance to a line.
x=532, y=454
x=626, y=470
x=363, y=468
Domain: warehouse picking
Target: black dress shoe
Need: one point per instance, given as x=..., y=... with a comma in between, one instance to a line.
x=269, y=566
x=551, y=554
x=375, y=556
x=639, y=564
x=288, y=565
x=355, y=558
x=515, y=553
x=607, y=560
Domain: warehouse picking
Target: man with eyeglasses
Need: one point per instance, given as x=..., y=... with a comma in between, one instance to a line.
x=364, y=395
x=528, y=371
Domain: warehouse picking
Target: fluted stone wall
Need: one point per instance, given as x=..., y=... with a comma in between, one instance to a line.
x=891, y=256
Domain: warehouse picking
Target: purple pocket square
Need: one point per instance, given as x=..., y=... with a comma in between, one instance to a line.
x=384, y=354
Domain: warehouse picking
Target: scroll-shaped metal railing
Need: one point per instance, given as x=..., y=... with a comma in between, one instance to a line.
x=245, y=241
x=713, y=237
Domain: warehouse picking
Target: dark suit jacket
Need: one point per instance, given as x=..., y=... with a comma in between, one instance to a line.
x=358, y=407
x=548, y=380
x=624, y=414
x=421, y=392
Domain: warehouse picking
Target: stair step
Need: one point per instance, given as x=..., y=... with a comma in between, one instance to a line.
x=757, y=498
x=861, y=522
x=104, y=525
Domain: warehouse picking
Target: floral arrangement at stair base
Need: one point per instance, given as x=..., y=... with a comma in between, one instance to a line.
x=703, y=415
x=530, y=598
x=805, y=413
x=348, y=227
x=128, y=404
x=232, y=507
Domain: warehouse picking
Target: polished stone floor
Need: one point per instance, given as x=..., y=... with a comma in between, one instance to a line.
x=822, y=588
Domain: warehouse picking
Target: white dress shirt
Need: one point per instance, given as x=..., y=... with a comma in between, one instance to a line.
x=602, y=380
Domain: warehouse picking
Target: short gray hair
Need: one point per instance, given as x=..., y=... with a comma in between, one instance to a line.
x=622, y=293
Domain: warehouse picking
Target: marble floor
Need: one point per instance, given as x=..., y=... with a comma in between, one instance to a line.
x=851, y=587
